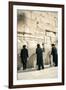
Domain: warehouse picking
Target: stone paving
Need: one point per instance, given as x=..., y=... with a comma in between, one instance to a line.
x=47, y=73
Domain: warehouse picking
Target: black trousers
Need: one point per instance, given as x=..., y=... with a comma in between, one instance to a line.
x=40, y=66
x=55, y=59
x=24, y=62
x=24, y=66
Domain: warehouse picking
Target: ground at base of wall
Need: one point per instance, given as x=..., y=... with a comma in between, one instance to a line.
x=46, y=73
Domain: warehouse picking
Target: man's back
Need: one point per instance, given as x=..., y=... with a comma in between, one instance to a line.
x=54, y=51
x=24, y=53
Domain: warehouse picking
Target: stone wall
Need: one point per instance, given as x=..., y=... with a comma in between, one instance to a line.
x=36, y=27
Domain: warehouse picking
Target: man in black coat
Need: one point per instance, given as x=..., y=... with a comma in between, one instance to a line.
x=24, y=56
x=54, y=54
x=39, y=53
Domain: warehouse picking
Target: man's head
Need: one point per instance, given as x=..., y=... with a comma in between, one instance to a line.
x=24, y=46
x=38, y=45
x=53, y=45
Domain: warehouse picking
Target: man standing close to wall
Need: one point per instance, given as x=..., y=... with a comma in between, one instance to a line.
x=39, y=53
x=55, y=55
x=24, y=56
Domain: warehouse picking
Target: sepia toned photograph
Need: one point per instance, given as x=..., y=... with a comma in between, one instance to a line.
x=36, y=36
x=37, y=43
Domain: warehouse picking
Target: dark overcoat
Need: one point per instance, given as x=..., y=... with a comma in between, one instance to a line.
x=55, y=55
x=24, y=55
x=39, y=53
